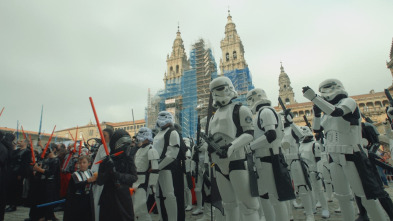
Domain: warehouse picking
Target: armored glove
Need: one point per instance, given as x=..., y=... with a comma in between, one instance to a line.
x=308, y=93
x=288, y=116
x=226, y=151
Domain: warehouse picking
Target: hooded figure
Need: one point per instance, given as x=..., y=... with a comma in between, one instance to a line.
x=117, y=174
x=4, y=152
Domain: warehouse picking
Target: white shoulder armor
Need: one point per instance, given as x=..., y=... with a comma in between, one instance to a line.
x=152, y=154
x=245, y=116
x=347, y=104
x=267, y=117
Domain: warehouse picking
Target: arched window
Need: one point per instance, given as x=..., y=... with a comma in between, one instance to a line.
x=234, y=55
x=287, y=101
x=227, y=56
x=170, y=70
x=307, y=113
x=177, y=69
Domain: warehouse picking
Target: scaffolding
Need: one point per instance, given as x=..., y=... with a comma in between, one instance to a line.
x=242, y=81
x=195, y=86
x=187, y=97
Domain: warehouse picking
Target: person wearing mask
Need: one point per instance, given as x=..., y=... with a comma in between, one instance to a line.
x=94, y=169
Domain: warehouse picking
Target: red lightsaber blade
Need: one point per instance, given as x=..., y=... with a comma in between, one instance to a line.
x=112, y=155
x=2, y=111
x=99, y=126
x=47, y=144
x=24, y=135
x=32, y=151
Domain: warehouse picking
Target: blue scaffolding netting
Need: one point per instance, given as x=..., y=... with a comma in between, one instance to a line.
x=186, y=88
x=242, y=81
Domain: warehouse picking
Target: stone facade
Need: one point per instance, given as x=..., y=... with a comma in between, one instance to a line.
x=232, y=49
x=285, y=92
x=177, y=62
x=91, y=131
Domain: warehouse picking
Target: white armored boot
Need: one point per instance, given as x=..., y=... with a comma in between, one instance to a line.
x=206, y=213
x=199, y=209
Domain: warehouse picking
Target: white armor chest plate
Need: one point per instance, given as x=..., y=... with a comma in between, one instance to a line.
x=222, y=125
x=159, y=141
x=222, y=122
x=141, y=159
x=340, y=135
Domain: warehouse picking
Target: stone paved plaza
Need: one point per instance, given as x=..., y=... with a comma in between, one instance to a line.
x=21, y=213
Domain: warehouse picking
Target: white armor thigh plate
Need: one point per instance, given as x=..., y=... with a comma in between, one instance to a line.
x=159, y=141
x=266, y=182
x=308, y=155
x=297, y=173
x=141, y=159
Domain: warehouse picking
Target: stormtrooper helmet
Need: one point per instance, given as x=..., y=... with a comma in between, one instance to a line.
x=306, y=131
x=255, y=97
x=330, y=88
x=143, y=134
x=164, y=117
x=223, y=91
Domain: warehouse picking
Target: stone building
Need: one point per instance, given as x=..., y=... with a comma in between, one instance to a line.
x=34, y=135
x=91, y=131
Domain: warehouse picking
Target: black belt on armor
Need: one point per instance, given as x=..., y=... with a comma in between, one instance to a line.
x=267, y=159
x=233, y=165
x=237, y=165
x=350, y=157
x=144, y=185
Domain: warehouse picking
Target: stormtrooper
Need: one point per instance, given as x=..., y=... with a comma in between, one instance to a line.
x=146, y=162
x=298, y=168
x=187, y=175
x=231, y=130
x=342, y=129
x=198, y=168
x=268, y=133
x=202, y=183
x=311, y=153
x=167, y=144
x=324, y=167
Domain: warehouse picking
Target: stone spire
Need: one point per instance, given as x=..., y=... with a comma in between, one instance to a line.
x=285, y=92
x=177, y=62
x=232, y=48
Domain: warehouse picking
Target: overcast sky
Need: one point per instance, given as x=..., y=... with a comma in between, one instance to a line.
x=58, y=53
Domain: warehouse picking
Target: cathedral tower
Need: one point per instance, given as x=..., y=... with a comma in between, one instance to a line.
x=286, y=92
x=177, y=62
x=232, y=64
x=232, y=49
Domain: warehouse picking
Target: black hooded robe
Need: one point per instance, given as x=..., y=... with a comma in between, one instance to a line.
x=115, y=201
